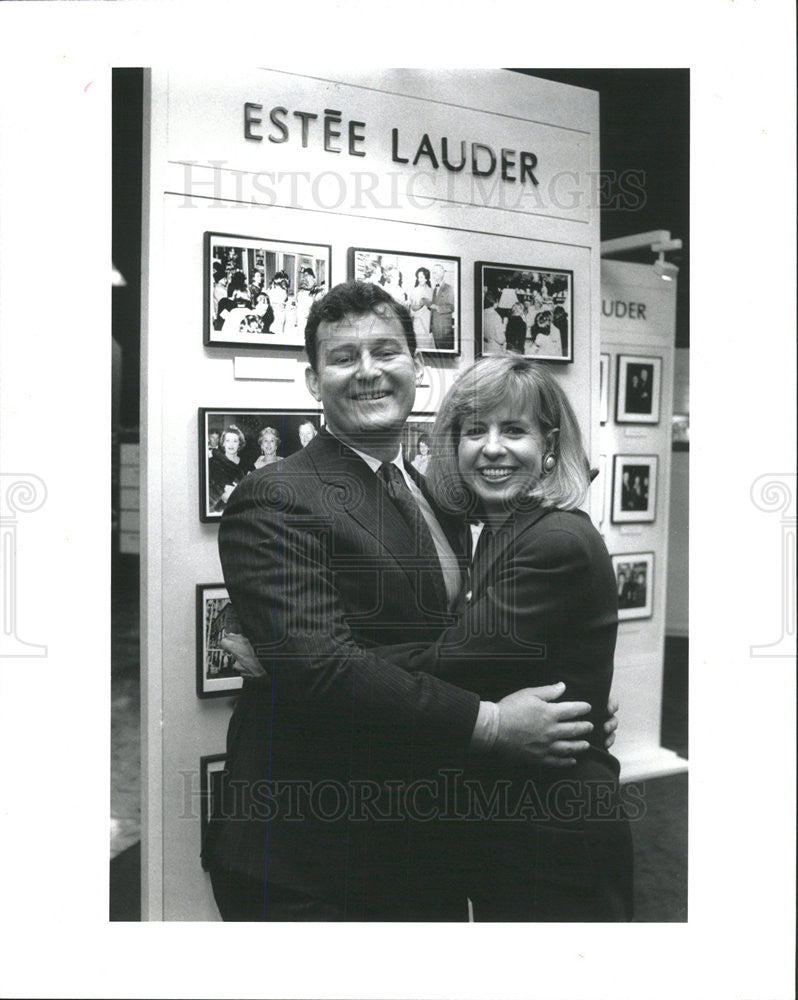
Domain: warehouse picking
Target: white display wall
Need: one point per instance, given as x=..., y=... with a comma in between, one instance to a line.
x=203, y=175
x=638, y=321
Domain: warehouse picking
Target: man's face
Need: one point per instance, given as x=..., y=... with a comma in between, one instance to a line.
x=366, y=379
x=437, y=274
x=306, y=434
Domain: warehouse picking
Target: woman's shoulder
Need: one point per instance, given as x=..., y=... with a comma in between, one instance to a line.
x=560, y=531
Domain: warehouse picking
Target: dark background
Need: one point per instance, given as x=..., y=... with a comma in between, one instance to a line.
x=645, y=126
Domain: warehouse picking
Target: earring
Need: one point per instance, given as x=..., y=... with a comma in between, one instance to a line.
x=549, y=461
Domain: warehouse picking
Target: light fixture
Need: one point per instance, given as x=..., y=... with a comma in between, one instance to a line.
x=664, y=268
x=658, y=241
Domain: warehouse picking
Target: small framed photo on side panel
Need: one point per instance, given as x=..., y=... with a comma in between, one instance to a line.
x=637, y=390
x=634, y=489
x=634, y=576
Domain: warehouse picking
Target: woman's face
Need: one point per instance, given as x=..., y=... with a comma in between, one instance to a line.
x=500, y=455
x=230, y=443
x=269, y=445
x=423, y=448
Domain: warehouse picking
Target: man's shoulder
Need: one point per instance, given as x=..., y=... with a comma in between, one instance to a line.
x=271, y=485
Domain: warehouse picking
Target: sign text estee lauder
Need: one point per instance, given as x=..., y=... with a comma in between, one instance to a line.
x=336, y=135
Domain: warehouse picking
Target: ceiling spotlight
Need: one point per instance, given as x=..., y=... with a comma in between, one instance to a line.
x=664, y=268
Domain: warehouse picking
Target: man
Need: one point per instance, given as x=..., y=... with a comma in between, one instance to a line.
x=324, y=560
x=442, y=310
x=307, y=432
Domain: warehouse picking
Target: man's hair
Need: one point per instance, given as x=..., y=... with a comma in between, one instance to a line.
x=354, y=298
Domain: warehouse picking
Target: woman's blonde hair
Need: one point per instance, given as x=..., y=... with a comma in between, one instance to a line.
x=529, y=389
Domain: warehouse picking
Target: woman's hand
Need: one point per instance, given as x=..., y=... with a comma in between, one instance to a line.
x=612, y=723
x=246, y=662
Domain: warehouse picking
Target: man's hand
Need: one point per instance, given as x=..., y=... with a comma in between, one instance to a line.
x=246, y=662
x=531, y=727
x=612, y=723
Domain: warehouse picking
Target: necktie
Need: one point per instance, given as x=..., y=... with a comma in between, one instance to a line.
x=399, y=492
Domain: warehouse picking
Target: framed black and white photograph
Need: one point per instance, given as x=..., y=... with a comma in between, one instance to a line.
x=524, y=309
x=634, y=576
x=428, y=284
x=634, y=489
x=604, y=388
x=258, y=291
x=235, y=443
x=215, y=674
x=638, y=386
x=417, y=440
x=211, y=768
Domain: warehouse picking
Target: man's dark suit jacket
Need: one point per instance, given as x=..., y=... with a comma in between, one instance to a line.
x=321, y=568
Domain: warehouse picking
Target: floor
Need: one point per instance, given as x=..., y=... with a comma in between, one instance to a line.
x=125, y=707
x=660, y=834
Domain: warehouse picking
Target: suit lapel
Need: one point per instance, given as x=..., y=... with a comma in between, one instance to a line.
x=362, y=495
x=494, y=542
x=367, y=503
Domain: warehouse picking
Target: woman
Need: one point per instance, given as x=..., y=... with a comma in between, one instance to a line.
x=278, y=297
x=419, y=303
x=235, y=303
x=268, y=442
x=542, y=340
x=515, y=331
x=226, y=468
x=493, y=337
x=421, y=462
x=392, y=283
x=542, y=607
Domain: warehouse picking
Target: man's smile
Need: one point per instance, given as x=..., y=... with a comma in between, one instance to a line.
x=370, y=394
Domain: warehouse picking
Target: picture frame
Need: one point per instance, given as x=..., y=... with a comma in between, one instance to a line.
x=523, y=299
x=604, y=388
x=436, y=325
x=634, y=578
x=637, y=389
x=211, y=768
x=634, y=489
x=215, y=675
x=416, y=443
x=258, y=290
x=219, y=474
